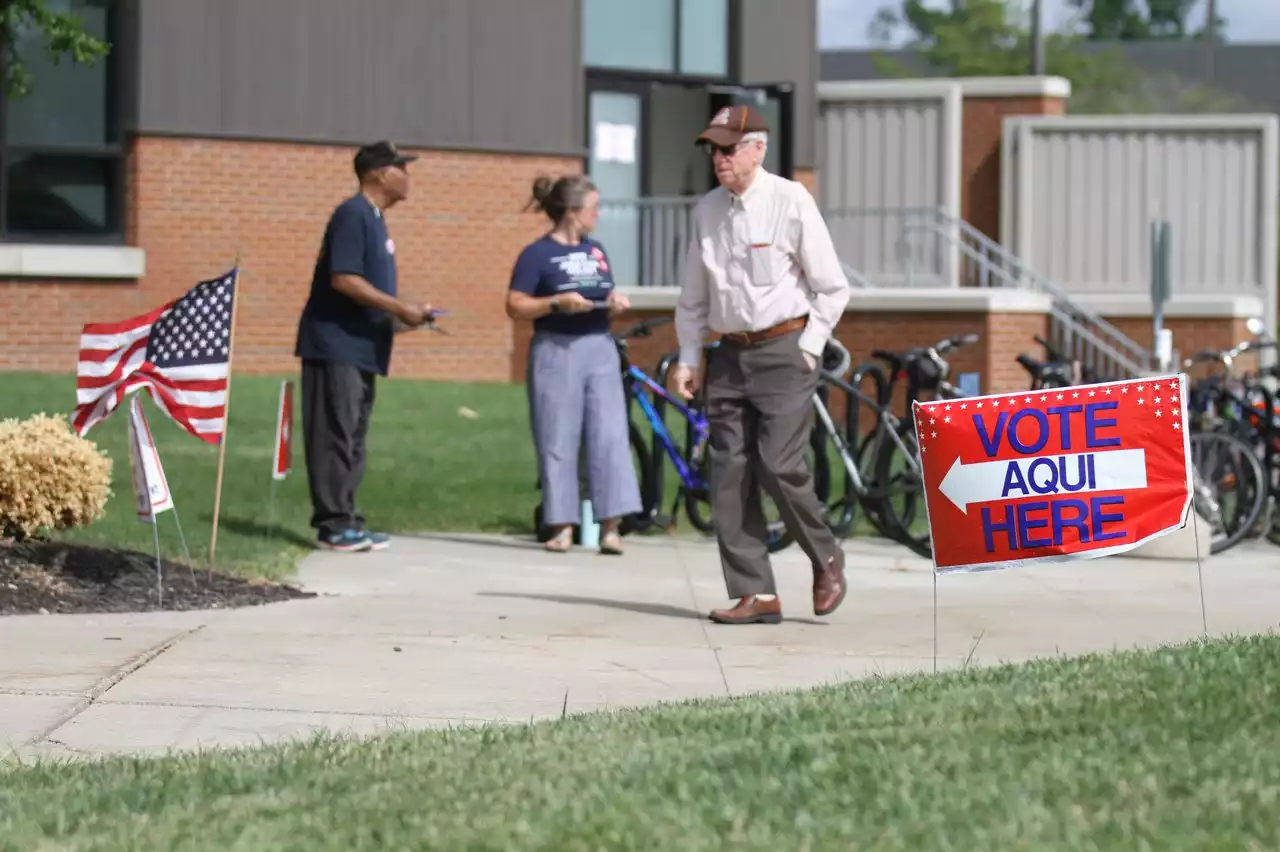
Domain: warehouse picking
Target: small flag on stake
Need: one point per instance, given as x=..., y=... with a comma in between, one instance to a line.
x=150, y=486
x=282, y=465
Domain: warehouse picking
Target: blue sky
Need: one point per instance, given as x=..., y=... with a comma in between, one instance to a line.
x=843, y=23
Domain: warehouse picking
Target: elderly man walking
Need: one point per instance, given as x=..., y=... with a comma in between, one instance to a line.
x=763, y=274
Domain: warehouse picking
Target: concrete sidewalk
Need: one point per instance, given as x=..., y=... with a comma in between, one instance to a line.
x=449, y=630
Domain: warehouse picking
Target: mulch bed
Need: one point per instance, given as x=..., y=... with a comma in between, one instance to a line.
x=41, y=576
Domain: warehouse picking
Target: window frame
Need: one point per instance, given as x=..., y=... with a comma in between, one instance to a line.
x=731, y=15
x=113, y=151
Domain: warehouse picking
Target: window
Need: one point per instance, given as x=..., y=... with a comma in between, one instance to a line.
x=704, y=37
x=686, y=37
x=61, y=161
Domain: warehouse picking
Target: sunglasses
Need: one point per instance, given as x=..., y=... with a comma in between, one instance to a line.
x=726, y=150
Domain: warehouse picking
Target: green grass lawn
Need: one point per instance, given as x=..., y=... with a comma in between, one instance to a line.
x=420, y=454
x=1171, y=749
x=429, y=469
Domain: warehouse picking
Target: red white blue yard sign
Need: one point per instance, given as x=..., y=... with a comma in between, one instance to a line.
x=1050, y=476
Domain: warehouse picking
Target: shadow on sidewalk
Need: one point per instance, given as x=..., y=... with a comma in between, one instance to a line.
x=517, y=543
x=661, y=610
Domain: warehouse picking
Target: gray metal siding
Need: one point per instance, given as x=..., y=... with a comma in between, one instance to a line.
x=884, y=162
x=485, y=74
x=778, y=43
x=1087, y=193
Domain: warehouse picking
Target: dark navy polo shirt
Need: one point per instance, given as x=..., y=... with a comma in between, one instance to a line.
x=549, y=268
x=335, y=327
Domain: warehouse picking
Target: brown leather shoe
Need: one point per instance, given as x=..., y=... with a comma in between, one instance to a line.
x=829, y=585
x=750, y=610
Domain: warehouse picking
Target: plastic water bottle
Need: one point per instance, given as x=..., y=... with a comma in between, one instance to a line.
x=590, y=528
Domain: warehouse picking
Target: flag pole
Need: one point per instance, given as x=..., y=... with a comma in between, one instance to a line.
x=226, y=416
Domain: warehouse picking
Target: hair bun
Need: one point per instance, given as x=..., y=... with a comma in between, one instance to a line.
x=542, y=187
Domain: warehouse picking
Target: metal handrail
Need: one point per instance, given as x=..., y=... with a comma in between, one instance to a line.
x=998, y=263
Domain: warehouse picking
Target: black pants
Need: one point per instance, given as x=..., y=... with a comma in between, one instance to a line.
x=337, y=400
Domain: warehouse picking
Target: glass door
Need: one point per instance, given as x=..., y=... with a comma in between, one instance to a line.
x=615, y=163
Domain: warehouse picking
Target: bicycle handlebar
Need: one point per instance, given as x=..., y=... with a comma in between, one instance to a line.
x=953, y=342
x=642, y=329
x=1226, y=356
x=933, y=352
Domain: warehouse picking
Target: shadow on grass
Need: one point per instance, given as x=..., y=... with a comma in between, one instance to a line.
x=254, y=529
x=661, y=610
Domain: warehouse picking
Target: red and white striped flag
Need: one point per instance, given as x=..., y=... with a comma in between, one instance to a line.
x=180, y=352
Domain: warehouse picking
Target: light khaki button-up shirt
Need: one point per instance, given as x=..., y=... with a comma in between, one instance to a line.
x=756, y=260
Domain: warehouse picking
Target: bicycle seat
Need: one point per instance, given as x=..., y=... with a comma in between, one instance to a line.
x=1031, y=365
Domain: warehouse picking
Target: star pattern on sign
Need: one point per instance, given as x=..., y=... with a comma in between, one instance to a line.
x=1161, y=399
x=196, y=330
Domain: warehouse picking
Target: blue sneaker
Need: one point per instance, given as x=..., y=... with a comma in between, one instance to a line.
x=350, y=541
x=378, y=541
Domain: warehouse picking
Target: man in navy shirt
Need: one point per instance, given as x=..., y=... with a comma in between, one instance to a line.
x=344, y=340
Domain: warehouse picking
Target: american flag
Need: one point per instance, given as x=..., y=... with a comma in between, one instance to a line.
x=180, y=352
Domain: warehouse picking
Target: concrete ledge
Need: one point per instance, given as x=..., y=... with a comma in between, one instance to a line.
x=63, y=261
x=1015, y=87
x=934, y=88
x=1199, y=305
x=940, y=87
x=891, y=300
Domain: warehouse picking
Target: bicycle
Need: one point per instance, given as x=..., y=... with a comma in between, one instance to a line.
x=1224, y=418
x=890, y=452
x=922, y=367
x=1058, y=372
x=658, y=454
x=692, y=463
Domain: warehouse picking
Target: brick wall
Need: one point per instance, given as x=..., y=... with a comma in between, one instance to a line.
x=195, y=203
x=983, y=128
x=1192, y=334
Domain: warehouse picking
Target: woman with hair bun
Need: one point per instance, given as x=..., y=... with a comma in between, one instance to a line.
x=574, y=373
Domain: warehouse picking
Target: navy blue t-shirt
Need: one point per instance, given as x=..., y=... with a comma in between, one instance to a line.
x=335, y=327
x=549, y=268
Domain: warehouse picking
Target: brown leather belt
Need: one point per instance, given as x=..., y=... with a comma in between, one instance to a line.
x=753, y=338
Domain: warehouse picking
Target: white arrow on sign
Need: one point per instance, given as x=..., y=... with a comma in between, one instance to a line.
x=1073, y=473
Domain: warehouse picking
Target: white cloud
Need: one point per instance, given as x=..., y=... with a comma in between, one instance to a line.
x=843, y=23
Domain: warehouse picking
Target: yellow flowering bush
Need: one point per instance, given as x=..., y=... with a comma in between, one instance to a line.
x=50, y=477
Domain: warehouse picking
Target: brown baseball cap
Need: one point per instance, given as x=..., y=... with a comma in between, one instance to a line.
x=730, y=124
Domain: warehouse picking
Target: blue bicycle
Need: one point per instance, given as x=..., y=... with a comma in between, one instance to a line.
x=692, y=464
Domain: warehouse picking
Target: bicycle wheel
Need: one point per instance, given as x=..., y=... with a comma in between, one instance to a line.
x=901, y=489
x=872, y=500
x=1229, y=486
x=647, y=480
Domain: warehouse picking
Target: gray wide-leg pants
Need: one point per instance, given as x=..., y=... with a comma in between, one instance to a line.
x=575, y=393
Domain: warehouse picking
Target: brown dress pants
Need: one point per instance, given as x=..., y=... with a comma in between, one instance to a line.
x=759, y=401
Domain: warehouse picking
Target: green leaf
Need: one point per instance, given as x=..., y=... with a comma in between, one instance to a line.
x=979, y=38
x=62, y=34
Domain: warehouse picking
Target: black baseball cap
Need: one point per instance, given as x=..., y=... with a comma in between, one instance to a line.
x=378, y=154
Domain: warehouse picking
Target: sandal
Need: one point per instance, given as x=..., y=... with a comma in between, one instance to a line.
x=611, y=544
x=561, y=541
